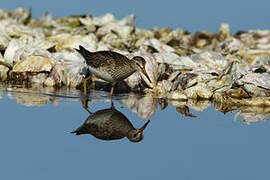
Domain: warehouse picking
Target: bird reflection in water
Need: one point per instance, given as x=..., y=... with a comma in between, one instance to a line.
x=110, y=124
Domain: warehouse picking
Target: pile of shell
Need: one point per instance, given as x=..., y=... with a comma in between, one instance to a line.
x=231, y=69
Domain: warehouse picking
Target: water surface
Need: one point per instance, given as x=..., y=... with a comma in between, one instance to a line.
x=36, y=142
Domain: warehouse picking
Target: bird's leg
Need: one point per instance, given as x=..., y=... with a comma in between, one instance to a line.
x=84, y=84
x=112, y=104
x=111, y=93
x=85, y=106
x=84, y=94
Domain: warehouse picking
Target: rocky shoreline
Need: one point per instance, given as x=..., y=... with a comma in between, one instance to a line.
x=226, y=68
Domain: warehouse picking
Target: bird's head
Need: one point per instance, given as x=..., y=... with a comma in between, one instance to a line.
x=140, y=65
x=136, y=135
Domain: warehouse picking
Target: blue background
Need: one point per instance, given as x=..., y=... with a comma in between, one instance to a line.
x=192, y=15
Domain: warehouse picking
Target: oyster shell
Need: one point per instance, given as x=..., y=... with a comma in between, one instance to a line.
x=71, y=42
x=3, y=69
x=230, y=45
x=34, y=64
x=258, y=79
x=25, y=44
x=177, y=95
x=200, y=91
x=156, y=44
x=224, y=31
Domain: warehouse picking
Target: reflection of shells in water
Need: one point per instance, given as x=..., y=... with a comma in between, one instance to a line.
x=144, y=106
x=31, y=100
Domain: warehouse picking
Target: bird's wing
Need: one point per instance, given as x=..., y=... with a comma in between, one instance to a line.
x=106, y=58
x=102, y=58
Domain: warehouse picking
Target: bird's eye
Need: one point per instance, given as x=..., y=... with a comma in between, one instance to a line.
x=138, y=64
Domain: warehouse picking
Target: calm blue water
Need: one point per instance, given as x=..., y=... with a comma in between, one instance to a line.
x=36, y=142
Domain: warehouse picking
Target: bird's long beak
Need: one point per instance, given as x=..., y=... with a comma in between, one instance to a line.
x=144, y=126
x=145, y=73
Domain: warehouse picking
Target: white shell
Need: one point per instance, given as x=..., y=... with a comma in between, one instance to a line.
x=33, y=64
x=156, y=44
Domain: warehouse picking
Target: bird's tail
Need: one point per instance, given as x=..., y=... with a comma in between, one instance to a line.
x=80, y=131
x=84, y=52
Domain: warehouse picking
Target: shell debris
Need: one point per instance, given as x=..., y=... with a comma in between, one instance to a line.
x=204, y=65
